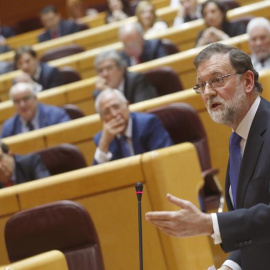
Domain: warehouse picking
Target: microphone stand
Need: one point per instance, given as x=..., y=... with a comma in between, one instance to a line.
x=139, y=191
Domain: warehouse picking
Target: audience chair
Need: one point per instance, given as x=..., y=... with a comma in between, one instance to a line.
x=61, y=225
x=60, y=52
x=165, y=79
x=184, y=125
x=62, y=158
x=73, y=111
x=69, y=75
x=170, y=47
x=27, y=25
x=229, y=4
x=245, y=20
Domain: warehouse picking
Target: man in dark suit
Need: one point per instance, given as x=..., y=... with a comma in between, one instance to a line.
x=30, y=113
x=54, y=25
x=136, y=49
x=27, y=61
x=15, y=169
x=112, y=73
x=231, y=92
x=125, y=134
x=6, y=31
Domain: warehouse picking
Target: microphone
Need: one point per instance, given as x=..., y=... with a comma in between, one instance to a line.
x=139, y=191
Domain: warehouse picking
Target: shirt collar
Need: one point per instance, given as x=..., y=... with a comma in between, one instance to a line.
x=37, y=74
x=244, y=126
x=128, y=131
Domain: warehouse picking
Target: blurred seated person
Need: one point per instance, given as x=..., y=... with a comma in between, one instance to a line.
x=189, y=10
x=77, y=9
x=258, y=30
x=54, y=25
x=146, y=15
x=6, y=32
x=117, y=10
x=27, y=61
x=17, y=169
x=113, y=74
x=218, y=28
x=30, y=113
x=125, y=134
x=136, y=49
x=26, y=78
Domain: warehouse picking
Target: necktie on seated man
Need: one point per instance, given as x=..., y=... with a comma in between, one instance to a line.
x=30, y=126
x=235, y=163
x=125, y=147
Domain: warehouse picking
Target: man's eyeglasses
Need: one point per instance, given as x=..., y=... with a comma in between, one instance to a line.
x=24, y=99
x=213, y=83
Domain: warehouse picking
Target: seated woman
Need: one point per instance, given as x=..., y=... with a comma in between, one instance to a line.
x=218, y=28
x=146, y=15
x=117, y=10
x=76, y=9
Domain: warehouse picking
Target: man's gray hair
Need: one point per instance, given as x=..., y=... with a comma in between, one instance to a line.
x=22, y=86
x=106, y=92
x=258, y=22
x=129, y=27
x=111, y=55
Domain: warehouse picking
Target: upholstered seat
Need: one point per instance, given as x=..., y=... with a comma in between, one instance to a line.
x=170, y=47
x=62, y=225
x=73, y=111
x=69, y=75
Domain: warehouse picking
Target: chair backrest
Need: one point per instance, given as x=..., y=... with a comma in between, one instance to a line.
x=229, y=4
x=165, y=79
x=62, y=158
x=69, y=75
x=170, y=47
x=62, y=225
x=184, y=125
x=60, y=52
x=73, y=111
x=243, y=20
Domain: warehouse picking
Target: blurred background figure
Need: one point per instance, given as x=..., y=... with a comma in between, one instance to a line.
x=30, y=113
x=117, y=10
x=218, y=28
x=54, y=25
x=26, y=78
x=6, y=32
x=258, y=30
x=77, y=9
x=189, y=10
x=113, y=74
x=137, y=49
x=15, y=169
x=26, y=60
x=146, y=15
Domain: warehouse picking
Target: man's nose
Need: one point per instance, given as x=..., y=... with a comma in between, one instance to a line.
x=208, y=90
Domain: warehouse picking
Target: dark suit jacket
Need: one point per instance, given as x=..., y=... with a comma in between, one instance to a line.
x=29, y=167
x=152, y=49
x=247, y=230
x=148, y=134
x=7, y=32
x=48, y=115
x=66, y=27
x=136, y=88
x=49, y=77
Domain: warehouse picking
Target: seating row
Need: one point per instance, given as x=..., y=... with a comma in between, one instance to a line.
x=184, y=37
x=107, y=192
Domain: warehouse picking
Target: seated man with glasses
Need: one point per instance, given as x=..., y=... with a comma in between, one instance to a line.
x=31, y=114
x=112, y=73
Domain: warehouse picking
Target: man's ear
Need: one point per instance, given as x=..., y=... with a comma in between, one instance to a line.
x=249, y=81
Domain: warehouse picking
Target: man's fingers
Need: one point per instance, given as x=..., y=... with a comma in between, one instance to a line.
x=178, y=202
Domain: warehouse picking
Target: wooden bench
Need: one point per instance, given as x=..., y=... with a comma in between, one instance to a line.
x=107, y=192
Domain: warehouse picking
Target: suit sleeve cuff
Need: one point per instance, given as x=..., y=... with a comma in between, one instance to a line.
x=232, y=265
x=102, y=157
x=216, y=235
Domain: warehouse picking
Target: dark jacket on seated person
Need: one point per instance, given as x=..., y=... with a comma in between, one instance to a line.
x=136, y=88
x=27, y=168
x=66, y=27
x=148, y=134
x=48, y=115
x=6, y=32
x=49, y=77
x=153, y=49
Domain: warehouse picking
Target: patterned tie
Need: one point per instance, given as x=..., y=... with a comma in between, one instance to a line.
x=125, y=148
x=235, y=163
x=30, y=126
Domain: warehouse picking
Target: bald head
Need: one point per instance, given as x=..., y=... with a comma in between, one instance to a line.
x=132, y=37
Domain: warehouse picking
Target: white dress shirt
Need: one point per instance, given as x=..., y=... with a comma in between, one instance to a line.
x=242, y=130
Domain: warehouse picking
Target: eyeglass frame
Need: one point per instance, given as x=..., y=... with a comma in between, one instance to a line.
x=197, y=87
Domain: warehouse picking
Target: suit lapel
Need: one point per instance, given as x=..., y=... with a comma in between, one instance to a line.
x=252, y=152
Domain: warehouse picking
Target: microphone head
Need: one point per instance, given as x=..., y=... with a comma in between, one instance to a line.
x=139, y=190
